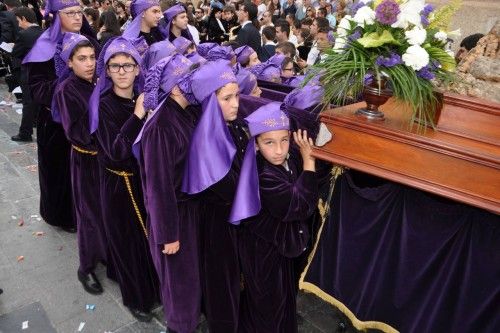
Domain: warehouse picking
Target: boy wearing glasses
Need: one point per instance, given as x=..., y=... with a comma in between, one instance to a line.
x=117, y=121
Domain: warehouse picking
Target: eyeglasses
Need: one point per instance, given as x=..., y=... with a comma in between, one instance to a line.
x=127, y=68
x=73, y=13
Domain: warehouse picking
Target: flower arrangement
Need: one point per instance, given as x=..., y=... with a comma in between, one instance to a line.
x=402, y=41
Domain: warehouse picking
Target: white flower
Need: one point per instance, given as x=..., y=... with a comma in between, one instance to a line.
x=344, y=26
x=364, y=15
x=450, y=53
x=340, y=43
x=416, y=57
x=441, y=36
x=416, y=36
x=410, y=14
x=366, y=1
x=455, y=34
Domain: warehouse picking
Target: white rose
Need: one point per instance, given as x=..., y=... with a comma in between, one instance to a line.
x=416, y=36
x=340, y=43
x=416, y=57
x=409, y=14
x=441, y=36
x=364, y=15
x=344, y=26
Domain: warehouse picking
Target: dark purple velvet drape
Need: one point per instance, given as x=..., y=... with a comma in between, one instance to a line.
x=275, y=86
x=273, y=95
x=415, y=261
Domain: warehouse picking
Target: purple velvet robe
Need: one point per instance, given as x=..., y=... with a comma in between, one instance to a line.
x=269, y=244
x=56, y=205
x=72, y=97
x=220, y=268
x=128, y=246
x=172, y=215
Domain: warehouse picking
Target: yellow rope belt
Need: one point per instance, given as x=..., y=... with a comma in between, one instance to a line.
x=125, y=176
x=83, y=151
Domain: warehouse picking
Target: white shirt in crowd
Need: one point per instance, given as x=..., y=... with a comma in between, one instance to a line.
x=313, y=55
x=194, y=32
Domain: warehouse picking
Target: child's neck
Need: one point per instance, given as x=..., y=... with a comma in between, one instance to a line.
x=124, y=93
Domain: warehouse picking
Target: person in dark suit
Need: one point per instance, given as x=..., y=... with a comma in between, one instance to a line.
x=216, y=30
x=8, y=22
x=269, y=46
x=30, y=31
x=249, y=32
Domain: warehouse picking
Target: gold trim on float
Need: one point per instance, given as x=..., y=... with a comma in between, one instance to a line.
x=312, y=288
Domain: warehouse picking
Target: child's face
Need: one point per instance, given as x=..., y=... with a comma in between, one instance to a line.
x=83, y=63
x=122, y=70
x=274, y=146
x=229, y=99
x=253, y=60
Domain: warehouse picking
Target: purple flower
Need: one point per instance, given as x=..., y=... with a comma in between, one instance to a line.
x=354, y=36
x=426, y=73
x=368, y=78
x=424, y=20
x=424, y=14
x=427, y=9
x=391, y=61
x=387, y=12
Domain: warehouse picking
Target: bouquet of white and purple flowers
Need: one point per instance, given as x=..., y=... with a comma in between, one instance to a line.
x=399, y=41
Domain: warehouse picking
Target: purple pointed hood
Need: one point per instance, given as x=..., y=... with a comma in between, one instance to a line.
x=182, y=44
x=243, y=54
x=157, y=52
x=220, y=52
x=246, y=79
x=160, y=80
x=269, y=70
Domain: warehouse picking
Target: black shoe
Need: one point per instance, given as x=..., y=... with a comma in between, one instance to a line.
x=71, y=230
x=21, y=138
x=144, y=317
x=1, y=291
x=90, y=283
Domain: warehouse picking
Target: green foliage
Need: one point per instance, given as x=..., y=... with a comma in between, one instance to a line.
x=441, y=19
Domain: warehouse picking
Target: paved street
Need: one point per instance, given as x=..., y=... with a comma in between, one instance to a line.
x=38, y=262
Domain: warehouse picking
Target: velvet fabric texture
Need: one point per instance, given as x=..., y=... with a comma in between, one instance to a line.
x=71, y=97
x=415, y=261
x=273, y=95
x=274, y=86
x=269, y=243
x=125, y=231
x=56, y=205
x=172, y=215
x=220, y=268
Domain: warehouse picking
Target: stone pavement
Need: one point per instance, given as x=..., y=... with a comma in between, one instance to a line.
x=38, y=262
